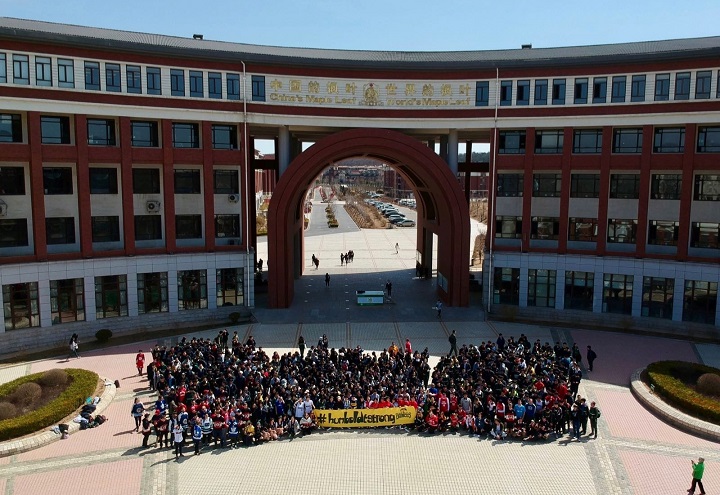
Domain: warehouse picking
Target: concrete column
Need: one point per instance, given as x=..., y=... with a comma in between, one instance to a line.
x=89, y=288
x=452, y=152
x=560, y=289
x=598, y=292
x=283, y=151
x=679, y=290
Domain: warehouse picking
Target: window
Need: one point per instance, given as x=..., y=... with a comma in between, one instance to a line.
x=708, y=140
x=233, y=86
x=103, y=180
x=663, y=233
x=482, y=93
x=637, y=88
x=192, y=289
x=3, y=68
x=619, y=87
x=188, y=226
x=92, y=76
x=625, y=186
x=224, y=137
x=152, y=292
x=558, y=92
x=12, y=181
x=214, y=85
x=545, y=228
x=506, y=93
x=13, y=232
x=523, y=93
x=581, y=90
x=700, y=301
x=112, y=77
x=134, y=79
x=105, y=229
x=57, y=180
x=669, y=140
x=541, y=288
x=154, y=83
x=585, y=185
x=666, y=186
x=258, y=88
x=617, y=294
x=621, y=231
x=101, y=132
x=54, y=130
x=187, y=181
x=144, y=134
x=705, y=235
x=508, y=227
x=511, y=142
x=67, y=300
x=60, y=230
x=582, y=229
x=21, y=69
x=148, y=227
x=579, y=290
x=587, y=141
x=703, y=80
x=177, y=82
x=509, y=185
x=196, y=84
x=43, y=71
x=662, y=87
x=146, y=181
x=227, y=226
x=599, y=89
x=111, y=296
x=682, y=86
x=628, y=140
x=507, y=286
x=657, y=297
x=21, y=306
x=230, y=287
x=225, y=181
x=707, y=188
x=547, y=185
x=549, y=141
x=541, y=91
x=10, y=128
x=66, y=73
x=185, y=135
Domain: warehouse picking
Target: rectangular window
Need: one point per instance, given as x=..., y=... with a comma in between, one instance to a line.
x=54, y=130
x=60, y=230
x=506, y=93
x=637, y=88
x=707, y=188
x=105, y=229
x=196, y=84
x=21, y=69
x=233, y=86
x=101, y=132
x=67, y=300
x=682, y=86
x=112, y=78
x=523, y=93
x=708, y=140
x=188, y=226
x=482, y=93
x=224, y=137
x=10, y=128
x=547, y=185
x=599, y=89
x=621, y=231
x=103, y=180
x=587, y=140
x=705, y=235
x=111, y=296
x=192, y=289
x=13, y=232
x=582, y=229
x=666, y=186
x=148, y=228
x=144, y=134
x=625, y=186
x=21, y=305
x=558, y=92
x=545, y=228
x=66, y=73
x=230, y=287
x=177, y=82
x=185, y=135
x=617, y=294
x=187, y=181
x=225, y=181
x=12, y=181
x=92, y=76
x=657, y=297
x=585, y=185
x=215, y=85
x=227, y=226
x=507, y=286
x=3, y=68
x=579, y=290
x=43, y=71
x=152, y=292
x=509, y=185
x=134, y=79
x=541, y=92
x=511, y=142
x=258, y=88
x=619, y=87
x=146, y=181
x=662, y=87
x=508, y=227
x=663, y=233
x=581, y=90
x=628, y=140
x=700, y=301
x=57, y=180
x=154, y=82
x=703, y=81
x=541, y=288
x=549, y=142
x=669, y=140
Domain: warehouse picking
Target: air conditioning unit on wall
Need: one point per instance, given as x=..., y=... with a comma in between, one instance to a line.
x=153, y=206
x=233, y=198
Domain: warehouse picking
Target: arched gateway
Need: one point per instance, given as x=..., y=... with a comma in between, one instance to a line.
x=441, y=207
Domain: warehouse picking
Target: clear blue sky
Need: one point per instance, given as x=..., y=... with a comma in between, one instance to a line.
x=421, y=25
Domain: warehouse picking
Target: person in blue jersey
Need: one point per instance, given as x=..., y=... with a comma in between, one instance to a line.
x=197, y=436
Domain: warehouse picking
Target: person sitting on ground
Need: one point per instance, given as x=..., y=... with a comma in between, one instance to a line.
x=307, y=424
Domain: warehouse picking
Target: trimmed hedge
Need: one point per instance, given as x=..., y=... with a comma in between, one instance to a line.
x=83, y=385
x=670, y=379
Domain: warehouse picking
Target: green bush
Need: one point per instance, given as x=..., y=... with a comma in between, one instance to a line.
x=54, y=378
x=709, y=384
x=673, y=382
x=103, y=335
x=83, y=384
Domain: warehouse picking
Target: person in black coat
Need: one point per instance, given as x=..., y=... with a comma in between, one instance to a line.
x=591, y=356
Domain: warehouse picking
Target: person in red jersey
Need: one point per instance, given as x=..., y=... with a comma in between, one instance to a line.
x=140, y=362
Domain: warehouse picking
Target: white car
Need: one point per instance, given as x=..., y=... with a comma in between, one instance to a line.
x=405, y=223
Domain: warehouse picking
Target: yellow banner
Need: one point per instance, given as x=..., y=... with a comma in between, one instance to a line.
x=364, y=418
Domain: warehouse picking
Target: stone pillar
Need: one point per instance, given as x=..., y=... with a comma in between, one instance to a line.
x=452, y=151
x=283, y=151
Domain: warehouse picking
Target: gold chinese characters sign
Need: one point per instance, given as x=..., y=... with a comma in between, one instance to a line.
x=386, y=94
x=364, y=418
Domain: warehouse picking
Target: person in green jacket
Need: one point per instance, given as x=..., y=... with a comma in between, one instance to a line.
x=593, y=414
x=698, y=470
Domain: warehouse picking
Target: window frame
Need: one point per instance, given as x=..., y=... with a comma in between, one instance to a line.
x=111, y=186
x=541, y=92
x=637, y=87
x=11, y=123
x=682, y=85
x=187, y=181
x=599, y=94
x=546, y=179
x=106, y=138
x=666, y=226
x=152, y=289
x=13, y=233
x=576, y=232
x=188, y=227
x=233, y=180
x=258, y=88
x=133, y=79
x=12, y=179
x=109, y=224
x=513, y=179
x=59, y=231
x=186, y=279
x=549, y=281
x=703, y=84
x=153, y=79
x=152, y=127
x=230, y=277
x=105, y=286
x=522, y=94
x=545, y=228
x=617, y=283
x=506, y=291
x=699, y=187
x=694, y=310
x=66, y=67
x=197, y=83
x=657, y=182
x=217, y=130
x=225, y=220
x=619, y=89
x=74, y=290
x=21, y=69
x=193, y=137
x=576, y=294
x=482, y=93
x=146, y=180
x=215, y=85
x=43, y=71
x=618, y=183
x=59, y=123
x=58, y=186
x=705, y=235
x=559, y=138
x=620, y=134
x=233, y=89
x=514, y=137
x=579, y=179
x=662, y=87
x=615, y=237
x=702, y=139
x=559, y=91
x=92, y=75
x=580, y=93
x=113, y=78
x=503, y=221
x=148, y=227
x=506, y=95
x=17, y=308
x=651, y=303
x=177, y=82
x=660, y=134
x=582, y=139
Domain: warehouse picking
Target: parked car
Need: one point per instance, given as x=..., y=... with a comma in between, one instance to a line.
x=396, y=218
x=406, y=223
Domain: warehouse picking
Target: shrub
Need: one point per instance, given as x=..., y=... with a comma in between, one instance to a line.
x=709, y=384
x=103, y=335
x=7, y=410
x=53, y=378
x=673, y=382
x=25, y=394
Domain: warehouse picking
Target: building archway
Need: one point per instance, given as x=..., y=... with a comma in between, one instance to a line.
x=441, y=209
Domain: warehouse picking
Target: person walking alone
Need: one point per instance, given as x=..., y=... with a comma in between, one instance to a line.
x=388, y=289
x=453, y=344
x=301, y=346
x=593, y=414
x=327, y=280
x=438, y=307
x=397, y=248
x=74, y=346
x=698, y=470
x=591, y=356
